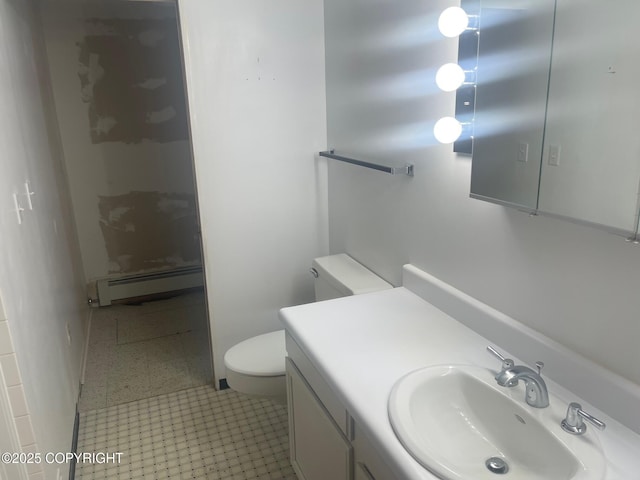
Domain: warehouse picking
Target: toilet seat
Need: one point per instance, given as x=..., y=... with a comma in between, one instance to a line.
x=261, y=356
x=256, y=366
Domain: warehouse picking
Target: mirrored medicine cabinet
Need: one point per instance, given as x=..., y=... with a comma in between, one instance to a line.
x=557, y=109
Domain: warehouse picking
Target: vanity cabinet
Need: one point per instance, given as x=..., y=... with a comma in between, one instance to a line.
x=325, y=442
x=319, y=450
x=368, y=463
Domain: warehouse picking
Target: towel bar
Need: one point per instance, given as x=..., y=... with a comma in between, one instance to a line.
x=405, y=169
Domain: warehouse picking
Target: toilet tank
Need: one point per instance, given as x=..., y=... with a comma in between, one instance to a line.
x=341, y=276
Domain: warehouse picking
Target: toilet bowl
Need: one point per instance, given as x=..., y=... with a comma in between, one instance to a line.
x=256, y=366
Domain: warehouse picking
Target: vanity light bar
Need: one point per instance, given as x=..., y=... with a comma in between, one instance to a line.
x=462, y=22
x=403, y=170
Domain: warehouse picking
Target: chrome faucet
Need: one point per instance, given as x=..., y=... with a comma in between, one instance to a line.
x=536, y=394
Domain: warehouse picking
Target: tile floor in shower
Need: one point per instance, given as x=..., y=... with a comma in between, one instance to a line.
x=141, y=351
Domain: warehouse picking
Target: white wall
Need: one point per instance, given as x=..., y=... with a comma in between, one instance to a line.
x=39, y=273
x=127, y=176
x=575, y=284
x=255, y=81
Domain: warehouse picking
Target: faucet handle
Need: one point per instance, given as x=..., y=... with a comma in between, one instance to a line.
x=573, y=423
x=539, y=366
x=507, y=363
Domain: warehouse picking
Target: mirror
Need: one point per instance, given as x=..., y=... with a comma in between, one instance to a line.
x=556, y=106
x=514, y=54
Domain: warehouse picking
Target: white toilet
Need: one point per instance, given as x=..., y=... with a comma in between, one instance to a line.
x=256, y=366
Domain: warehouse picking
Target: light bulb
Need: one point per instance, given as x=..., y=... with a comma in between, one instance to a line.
x=447, y=130
x=450, y=76
x=453, y=21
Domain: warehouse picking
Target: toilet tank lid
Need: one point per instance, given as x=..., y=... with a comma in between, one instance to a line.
x=342, y=272
x=261, y=356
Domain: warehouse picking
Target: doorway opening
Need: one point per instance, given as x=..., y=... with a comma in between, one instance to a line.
x=117, y=84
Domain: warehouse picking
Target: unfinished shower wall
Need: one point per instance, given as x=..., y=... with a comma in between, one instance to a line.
x=117, y=80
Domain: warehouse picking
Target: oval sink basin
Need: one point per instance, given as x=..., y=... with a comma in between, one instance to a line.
x=459, y=424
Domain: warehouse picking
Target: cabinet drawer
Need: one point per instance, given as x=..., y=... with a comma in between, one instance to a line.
x=319, y=385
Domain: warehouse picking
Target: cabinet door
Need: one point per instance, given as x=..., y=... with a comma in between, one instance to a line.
x=319, y=450
x=369, y=463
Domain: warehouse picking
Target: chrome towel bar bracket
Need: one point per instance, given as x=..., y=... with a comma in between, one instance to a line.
x=404, y=170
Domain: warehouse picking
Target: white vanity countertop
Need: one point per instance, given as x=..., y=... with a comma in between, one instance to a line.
x=363, y=344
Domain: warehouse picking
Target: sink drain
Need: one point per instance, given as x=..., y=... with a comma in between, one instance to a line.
x=497, y=465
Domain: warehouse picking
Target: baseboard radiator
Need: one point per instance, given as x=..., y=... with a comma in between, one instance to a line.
x=111, y=289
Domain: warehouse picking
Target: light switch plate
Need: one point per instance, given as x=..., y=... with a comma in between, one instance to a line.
x=523, y=152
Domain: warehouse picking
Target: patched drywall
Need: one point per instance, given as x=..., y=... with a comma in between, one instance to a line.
x=148, y=230
x=129, y=80
x=117, y=79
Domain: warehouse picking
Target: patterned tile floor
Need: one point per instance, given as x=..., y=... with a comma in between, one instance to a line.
x=192, y=434
x=141, y=351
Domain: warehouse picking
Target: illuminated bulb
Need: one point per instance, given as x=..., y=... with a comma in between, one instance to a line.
x=450, y=76
x=453, y=21
x=447, y=130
